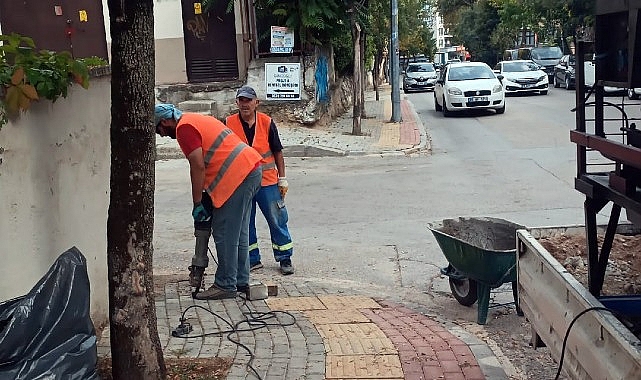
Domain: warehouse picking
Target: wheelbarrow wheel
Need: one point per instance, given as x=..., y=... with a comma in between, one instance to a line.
x=464, y=291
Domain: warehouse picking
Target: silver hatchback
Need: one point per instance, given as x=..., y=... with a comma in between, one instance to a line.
x=419, y=76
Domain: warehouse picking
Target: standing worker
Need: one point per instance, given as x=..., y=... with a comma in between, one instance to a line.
x=259, y=131
x=225, y=176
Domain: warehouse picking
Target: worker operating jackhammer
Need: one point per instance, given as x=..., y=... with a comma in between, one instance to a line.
x=225, y=175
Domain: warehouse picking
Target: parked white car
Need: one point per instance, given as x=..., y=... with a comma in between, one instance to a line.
x=522, y=76
x=468, y=85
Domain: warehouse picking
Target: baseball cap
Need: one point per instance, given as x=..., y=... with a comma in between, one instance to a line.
x=246, y=92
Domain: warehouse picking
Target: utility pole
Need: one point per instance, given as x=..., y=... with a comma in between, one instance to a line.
x=394, y=66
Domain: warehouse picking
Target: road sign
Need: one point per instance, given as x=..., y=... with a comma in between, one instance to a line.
x=282, y=81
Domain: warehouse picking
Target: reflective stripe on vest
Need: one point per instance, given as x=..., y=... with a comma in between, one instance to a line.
x=260, y=143
x=227, y=159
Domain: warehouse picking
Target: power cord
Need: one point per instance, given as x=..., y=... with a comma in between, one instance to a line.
x=567, y=333
x=255, y=320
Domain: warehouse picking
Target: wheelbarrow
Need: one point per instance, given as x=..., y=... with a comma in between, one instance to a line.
x=481, y=253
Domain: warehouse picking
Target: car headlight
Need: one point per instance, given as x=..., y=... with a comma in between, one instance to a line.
x=542, y=77
x=410, y=80
x=497, y=88
x=454, y=91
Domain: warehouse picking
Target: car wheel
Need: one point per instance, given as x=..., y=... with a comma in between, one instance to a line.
x=437, y=107
x=567, y=84
x=446, y=112
x=631, y=94
x=500, y=110
x=556, y=82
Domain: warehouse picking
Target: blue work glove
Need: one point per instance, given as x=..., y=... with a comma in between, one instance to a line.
x=200, y=214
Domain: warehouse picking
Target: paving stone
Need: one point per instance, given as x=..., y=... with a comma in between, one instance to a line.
x=363, y=367
x=295, y=303
x=333, y=302
x=320, y=317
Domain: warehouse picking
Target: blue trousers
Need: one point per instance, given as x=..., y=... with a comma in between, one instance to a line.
x=272, y=206
x=230, y=229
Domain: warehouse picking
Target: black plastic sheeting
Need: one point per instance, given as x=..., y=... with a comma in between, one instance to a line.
x=47, y=333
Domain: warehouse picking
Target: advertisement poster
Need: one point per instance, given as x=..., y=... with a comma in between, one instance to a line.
x=282, y=40
x=282, y=81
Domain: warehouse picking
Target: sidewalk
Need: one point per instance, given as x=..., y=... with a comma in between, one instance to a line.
x=326, y=335
x=379, y=134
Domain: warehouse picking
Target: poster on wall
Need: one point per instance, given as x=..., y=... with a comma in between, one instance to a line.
x=282, y=40
x=282, y=81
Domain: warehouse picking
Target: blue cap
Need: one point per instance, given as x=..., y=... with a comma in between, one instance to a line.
x=164, y=111
x=246, y=92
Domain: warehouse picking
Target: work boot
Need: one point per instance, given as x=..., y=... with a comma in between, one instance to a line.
x=215, y=293
x=286, y=267
x=196, y=275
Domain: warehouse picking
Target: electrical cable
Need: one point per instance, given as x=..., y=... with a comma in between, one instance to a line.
x=255, y=321
x=567, y=333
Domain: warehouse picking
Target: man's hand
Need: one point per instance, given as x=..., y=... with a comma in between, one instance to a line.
x=283, y=186
x=200, y=214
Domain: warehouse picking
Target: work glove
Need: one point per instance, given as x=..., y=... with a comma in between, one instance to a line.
x=283, y=186
x=200, y=214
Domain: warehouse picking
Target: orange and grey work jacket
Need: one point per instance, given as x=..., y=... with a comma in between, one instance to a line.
x=228, y=160
x=260, y=143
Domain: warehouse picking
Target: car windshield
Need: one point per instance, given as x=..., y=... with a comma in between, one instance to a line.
x=426, y=67
x=550, y=52
x=513, y=67
x=457, y=73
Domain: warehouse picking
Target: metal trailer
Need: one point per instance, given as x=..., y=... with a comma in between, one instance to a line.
x=598, y=346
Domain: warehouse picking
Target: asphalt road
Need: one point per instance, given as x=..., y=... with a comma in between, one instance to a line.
x=361, y=222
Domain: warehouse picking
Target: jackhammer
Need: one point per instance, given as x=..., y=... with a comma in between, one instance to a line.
x=200, y=261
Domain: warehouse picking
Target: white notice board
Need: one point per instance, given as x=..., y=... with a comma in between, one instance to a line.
x=282, y=81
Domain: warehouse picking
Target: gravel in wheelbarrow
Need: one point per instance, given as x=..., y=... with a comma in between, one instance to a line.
x=481, y=253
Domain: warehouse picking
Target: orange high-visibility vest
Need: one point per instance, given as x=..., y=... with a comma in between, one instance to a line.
x=228, y=160
x=260, y=143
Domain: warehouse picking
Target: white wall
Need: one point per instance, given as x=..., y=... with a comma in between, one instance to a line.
x=169, y=42
x=54, y=190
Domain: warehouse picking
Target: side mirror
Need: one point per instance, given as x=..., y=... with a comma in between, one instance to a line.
x=500, y=77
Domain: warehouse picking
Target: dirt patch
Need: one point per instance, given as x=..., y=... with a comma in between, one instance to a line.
x=182, y=369
x=623, y=272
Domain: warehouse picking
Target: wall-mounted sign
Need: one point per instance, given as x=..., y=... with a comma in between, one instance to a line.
x=282, y=81
x=282, y=40
x=198, y=8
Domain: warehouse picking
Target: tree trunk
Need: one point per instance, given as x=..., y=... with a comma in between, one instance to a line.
x=375, y=71
x=135, y=347
x=358, y=101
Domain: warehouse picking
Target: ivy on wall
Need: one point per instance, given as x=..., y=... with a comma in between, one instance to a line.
x=27, y=75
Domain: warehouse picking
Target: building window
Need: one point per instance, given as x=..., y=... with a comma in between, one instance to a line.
x=440, y=31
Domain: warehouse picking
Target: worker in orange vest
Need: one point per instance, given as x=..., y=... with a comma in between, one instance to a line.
x=225, y=176
x=259, y=131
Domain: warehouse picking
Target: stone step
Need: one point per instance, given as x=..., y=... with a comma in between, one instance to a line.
x=199, y=106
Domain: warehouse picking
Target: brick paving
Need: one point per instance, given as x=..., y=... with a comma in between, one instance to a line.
x=315, y=335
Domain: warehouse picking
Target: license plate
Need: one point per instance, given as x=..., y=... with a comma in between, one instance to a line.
x=527, y=85
x=473, y=99
x=422, y=83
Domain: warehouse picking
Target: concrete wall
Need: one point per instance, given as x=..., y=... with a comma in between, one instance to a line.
x=54, y=190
